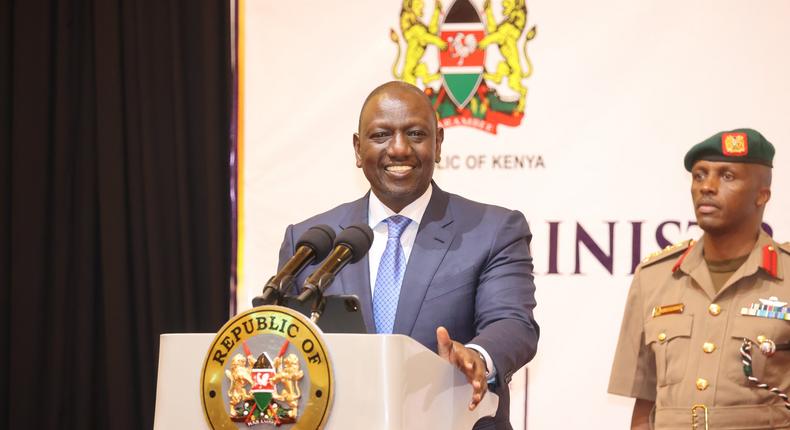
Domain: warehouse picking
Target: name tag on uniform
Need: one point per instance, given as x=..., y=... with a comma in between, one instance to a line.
x=770, y=308
x=677, y=308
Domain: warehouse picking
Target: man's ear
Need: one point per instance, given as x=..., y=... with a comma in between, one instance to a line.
x=763, y=195
x=357, y=155
x=439, y=140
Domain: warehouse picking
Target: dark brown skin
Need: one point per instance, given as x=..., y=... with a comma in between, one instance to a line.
x=467, y=360
x=398, y=130
x=729, y=201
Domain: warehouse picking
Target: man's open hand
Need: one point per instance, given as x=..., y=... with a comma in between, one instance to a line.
x=467, y=361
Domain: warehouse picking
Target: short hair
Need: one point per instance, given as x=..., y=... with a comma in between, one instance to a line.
x=395, y=85
x=764, y=175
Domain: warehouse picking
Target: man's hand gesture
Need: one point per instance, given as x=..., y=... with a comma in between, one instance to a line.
x=467, y=361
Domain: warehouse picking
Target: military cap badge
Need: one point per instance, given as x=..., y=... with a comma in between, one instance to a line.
x=734, y=144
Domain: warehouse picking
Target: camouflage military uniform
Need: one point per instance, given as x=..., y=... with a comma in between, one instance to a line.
x=682, y=356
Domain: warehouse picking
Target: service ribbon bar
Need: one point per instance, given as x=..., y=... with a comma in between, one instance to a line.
x=767, y=311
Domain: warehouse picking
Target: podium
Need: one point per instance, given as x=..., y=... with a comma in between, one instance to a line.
x=381, y=382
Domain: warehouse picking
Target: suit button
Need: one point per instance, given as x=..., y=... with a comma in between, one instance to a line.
x=714, y=309
x=702, y=384
x=662, y=337
x=708, y=347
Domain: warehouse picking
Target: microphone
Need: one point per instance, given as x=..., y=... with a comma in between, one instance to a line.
x=313, y=245
x=350, y=246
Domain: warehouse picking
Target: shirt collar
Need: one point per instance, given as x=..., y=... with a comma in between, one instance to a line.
x=378, y=211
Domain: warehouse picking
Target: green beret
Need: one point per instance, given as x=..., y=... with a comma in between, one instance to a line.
x=742, y=145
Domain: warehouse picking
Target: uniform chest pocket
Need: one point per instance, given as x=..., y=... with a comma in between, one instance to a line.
x=772, y=370
x=670, y=338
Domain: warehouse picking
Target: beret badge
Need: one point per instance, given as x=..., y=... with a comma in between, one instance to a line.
x=734, y=144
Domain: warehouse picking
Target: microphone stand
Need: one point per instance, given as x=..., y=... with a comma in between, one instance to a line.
x=272, y=292
x=318, y=308
x=316, y=292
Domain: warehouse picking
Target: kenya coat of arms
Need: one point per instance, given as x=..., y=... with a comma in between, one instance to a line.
x=267, y=368
x=469, y=65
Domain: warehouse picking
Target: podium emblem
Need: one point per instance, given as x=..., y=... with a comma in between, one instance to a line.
x=266, y=368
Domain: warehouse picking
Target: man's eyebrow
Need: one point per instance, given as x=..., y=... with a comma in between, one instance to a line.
x=374, y=124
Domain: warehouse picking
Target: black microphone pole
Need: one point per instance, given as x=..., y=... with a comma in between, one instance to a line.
x=350, y=246
x=313, y=245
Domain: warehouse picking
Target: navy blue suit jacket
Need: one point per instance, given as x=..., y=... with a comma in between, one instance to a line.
x=470, y=271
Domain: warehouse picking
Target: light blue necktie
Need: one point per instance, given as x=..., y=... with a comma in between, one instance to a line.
x=389, y=276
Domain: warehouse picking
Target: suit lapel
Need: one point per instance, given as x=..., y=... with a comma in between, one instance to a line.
x=355, y=278
x=430, y=246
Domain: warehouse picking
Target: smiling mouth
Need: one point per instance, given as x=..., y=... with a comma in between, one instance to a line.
x=398, y=169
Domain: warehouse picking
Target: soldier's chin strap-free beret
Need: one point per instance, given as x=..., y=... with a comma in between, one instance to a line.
x=742, y=145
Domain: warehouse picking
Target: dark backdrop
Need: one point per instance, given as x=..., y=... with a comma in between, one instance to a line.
x=114, y=201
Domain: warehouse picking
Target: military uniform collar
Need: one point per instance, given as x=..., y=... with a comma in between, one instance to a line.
x=760, y=258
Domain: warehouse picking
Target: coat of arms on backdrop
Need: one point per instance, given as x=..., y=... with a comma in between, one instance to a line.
x=472, y=63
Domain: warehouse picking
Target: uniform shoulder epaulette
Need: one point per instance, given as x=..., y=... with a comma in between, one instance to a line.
x=785, y=247
x=667, y=252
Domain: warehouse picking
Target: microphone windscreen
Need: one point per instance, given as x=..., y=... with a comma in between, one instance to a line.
x=358, y=238
x=320, y=238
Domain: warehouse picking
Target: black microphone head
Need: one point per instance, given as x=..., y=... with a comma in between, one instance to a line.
x=319, y=238
x=357, y=238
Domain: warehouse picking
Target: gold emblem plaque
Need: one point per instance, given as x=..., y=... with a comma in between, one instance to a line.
x=267, y=367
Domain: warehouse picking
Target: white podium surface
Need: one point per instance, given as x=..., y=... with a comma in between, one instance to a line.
x=381, y=382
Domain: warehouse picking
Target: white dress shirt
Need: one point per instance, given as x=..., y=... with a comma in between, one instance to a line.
x=378, y=212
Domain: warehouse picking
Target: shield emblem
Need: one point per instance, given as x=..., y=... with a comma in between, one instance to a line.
x=462, y=63
x=263, y=386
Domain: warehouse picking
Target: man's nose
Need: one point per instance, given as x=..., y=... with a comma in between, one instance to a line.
x=710, y=184
x=399, y=146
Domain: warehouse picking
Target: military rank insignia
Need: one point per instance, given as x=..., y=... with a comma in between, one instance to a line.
x=266, y=368
x=768, y=308
x=770, y=260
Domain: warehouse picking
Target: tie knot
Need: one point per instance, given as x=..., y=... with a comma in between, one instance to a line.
x=396, y=224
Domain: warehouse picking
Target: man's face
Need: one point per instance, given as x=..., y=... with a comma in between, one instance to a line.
x=397, y=145
x=727, y=196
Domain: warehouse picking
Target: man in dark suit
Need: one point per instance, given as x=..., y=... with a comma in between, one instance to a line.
x=440, y=265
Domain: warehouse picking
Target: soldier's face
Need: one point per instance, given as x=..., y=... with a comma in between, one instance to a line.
x=727, y=196
x=397, y=145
